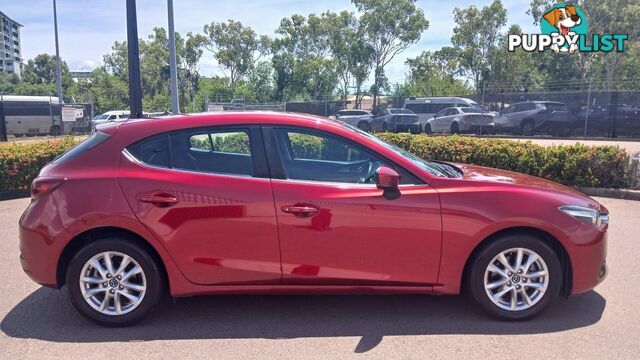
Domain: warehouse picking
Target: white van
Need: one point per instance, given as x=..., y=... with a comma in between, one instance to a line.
x=109, y=116
x=426, y=107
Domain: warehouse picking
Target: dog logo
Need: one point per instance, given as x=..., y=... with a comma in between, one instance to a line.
x=563, y=19
x=564, y=29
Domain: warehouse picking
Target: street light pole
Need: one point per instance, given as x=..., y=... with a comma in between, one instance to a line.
x=135, y=87
x=175, y=108
x=58, y=71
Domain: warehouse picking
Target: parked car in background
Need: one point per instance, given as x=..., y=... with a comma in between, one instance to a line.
x=355, y=117
x=426, y=107
x=602, y=120
x=397, y=120
x=110, y=116
x=257, y=203
x=456, y=120
x=531, y=117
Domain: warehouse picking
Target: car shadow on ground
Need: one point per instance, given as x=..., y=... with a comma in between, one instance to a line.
x=47, y=314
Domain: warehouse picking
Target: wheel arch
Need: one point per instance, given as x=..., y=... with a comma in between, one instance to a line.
x=84, y=238
x=547, y=238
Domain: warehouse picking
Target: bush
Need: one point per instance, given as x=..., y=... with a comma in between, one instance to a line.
x=573, y=165
x=21, y=163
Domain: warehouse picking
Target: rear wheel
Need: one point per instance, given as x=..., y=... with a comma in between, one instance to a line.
x=384, y=126
x=455, y=128
x=415, y=129
x=364, y=126
x=515, y=277
x=527, y=128
x=427, y=129
x=113, y=282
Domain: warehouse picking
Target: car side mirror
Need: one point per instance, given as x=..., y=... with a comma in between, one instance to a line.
x=388, y=180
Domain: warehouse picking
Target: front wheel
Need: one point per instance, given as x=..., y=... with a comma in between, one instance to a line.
x=114, y=282
x=515, y=277
x=455, y=128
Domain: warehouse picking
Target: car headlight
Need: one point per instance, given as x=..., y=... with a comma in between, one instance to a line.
x=585, y=214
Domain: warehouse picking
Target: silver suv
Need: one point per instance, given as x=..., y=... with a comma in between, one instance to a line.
x=360, y=118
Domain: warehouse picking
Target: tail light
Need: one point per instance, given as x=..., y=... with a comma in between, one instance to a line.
x=44, y=185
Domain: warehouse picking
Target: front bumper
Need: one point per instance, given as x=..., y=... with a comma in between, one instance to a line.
x=589, y=264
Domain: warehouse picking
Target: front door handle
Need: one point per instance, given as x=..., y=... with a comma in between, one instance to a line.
x=300, y=210
x=160, y=199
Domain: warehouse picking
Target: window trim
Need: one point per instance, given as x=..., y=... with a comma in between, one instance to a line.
x=276, y=164
x=256, y=145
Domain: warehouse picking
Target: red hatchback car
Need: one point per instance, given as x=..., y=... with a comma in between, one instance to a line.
x=281, y=203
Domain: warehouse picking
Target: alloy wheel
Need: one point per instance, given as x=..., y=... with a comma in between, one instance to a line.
x=516, y=279
x=113, y=283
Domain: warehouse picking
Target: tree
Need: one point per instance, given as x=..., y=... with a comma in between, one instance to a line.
x=154, y=68
x=430, y=74
x=302, y=55
x=343, y=38
x=514, y=71
x=610, y=16
x=234, y=47
x=476, y=37
x=390, y=27
x=42, y=70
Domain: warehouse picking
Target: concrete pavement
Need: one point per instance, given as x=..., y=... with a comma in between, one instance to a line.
x=41, y=323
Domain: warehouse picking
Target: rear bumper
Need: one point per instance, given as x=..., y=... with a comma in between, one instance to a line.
x=406, y=127
x=478, y=128
x=39, y=252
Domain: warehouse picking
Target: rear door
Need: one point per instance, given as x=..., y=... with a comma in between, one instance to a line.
x=206, y=195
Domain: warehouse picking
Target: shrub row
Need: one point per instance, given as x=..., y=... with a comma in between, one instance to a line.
x=573, y=165
x=21, y=163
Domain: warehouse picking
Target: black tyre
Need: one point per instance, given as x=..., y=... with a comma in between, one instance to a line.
x=455, y=128
x=427, y=129
x=415, y=129
x=114, y=282
x=364, y=126
x=515, y=277
x=527, y=128
x=384, y=126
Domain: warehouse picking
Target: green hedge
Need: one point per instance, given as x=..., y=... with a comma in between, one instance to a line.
x=21, y=163
x=574, y=165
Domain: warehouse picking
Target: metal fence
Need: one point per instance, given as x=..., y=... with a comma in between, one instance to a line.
x=582, y=112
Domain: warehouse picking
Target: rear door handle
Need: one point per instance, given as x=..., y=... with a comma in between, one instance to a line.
x=159, y=199
x=300, y=210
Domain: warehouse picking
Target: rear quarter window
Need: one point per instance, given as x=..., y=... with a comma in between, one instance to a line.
x=92, y=141
x=152, y=151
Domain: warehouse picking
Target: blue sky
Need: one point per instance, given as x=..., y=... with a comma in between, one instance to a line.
x=87, y=29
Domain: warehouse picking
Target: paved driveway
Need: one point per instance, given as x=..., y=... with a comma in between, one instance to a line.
x=40, y=323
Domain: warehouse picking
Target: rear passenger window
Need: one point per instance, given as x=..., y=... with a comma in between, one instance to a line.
x=202, y=150
x=222, y=152
x=154, y=151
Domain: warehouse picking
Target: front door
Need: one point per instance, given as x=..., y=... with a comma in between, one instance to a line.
x=206, y=195
x=335, y=226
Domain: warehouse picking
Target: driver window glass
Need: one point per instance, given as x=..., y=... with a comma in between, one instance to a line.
x=316, y=157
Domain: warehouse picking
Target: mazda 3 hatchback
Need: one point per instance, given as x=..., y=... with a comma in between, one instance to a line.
x=247, y=203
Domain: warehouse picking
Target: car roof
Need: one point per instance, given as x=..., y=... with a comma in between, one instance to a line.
x=176, y=122
x=435, y=99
